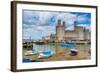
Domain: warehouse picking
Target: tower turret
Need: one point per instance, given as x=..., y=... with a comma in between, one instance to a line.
x=75, y=25
x=59, y=22
x=64, y=23
x=60, y=31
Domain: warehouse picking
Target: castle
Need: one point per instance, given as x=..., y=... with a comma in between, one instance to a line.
x=79, y=33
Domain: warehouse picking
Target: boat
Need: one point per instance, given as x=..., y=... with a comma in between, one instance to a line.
x=45, y=54
x=69, y=45
x=73, y=52
x=27, y=60
x=30, y=52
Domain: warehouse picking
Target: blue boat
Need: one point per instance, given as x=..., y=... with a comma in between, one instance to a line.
x=27, y=60
x=45, y=54
x=69, y=45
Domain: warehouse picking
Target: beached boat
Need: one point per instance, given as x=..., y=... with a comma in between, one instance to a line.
x=45, y=54
x=30, y=52
x=25, y=60
x=73, y=50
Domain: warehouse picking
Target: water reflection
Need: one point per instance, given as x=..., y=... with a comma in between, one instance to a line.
x=46, y=47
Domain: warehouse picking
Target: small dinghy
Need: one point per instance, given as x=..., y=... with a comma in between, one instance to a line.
x=73, y=52
x=30, y=52
x=45, y=54
x=27, y=60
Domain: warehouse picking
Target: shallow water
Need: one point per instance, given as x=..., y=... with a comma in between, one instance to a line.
x=52, y=47
x=46, y=47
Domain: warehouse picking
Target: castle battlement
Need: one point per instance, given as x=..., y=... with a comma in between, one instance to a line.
x=77, y=34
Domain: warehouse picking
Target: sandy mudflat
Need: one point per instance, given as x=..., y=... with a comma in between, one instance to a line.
x=64, y=54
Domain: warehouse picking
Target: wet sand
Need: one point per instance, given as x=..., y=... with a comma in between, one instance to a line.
x=64, y=54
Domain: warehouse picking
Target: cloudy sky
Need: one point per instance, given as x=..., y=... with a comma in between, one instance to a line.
x=37, y=24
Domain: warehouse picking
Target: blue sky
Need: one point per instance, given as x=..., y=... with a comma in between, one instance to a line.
x=37, y=24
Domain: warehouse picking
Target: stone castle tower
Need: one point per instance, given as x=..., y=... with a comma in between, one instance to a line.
x=60, y=30
x=80, y=31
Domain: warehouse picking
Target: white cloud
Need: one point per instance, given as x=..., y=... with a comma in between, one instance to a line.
x=40, y=25
x=87, y=26
x=45, y=16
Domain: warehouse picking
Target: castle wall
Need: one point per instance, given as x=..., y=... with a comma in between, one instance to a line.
x=77, y=34
x=81, y=33
x=71, y=35
x=87, y=35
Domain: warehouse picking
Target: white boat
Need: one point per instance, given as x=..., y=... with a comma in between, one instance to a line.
x=73, y=51
x=30, y=52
